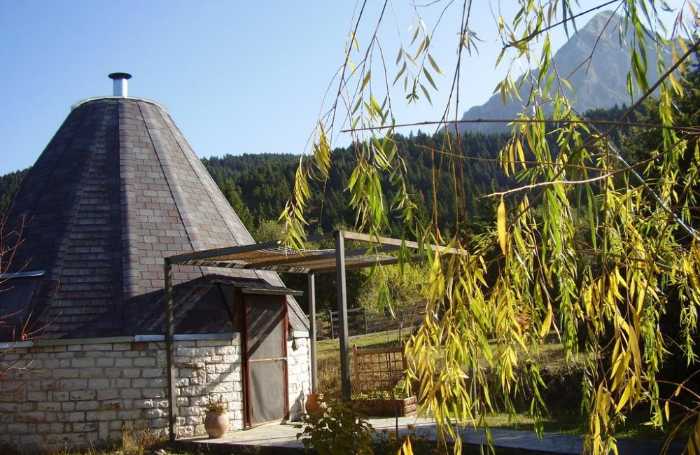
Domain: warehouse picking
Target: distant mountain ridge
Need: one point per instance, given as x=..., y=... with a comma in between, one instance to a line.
x=598, y=83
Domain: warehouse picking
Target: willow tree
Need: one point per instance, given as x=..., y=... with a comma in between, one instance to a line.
x=588, y=246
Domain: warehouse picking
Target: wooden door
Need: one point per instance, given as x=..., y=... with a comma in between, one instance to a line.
x=265, y=358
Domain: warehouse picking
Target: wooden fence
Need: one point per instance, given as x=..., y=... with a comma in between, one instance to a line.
x=361, y=321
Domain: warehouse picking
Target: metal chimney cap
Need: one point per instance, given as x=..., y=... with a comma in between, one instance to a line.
x=117, y=76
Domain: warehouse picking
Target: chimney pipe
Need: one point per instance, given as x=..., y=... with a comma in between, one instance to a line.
x=120, y=84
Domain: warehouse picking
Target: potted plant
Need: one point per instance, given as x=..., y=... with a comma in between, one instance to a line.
x=216, y=420
x=315, y=403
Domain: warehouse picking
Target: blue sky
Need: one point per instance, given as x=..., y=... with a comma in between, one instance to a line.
x=237, y=77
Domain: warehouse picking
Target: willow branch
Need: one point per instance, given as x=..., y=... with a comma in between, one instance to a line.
x=693, y=129
x=563, y=21
x=550, y=183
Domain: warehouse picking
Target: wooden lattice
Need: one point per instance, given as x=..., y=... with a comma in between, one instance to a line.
x=377, y=369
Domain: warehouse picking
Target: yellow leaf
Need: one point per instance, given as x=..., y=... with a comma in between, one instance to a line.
x=544, y=330
x=501, y=225
x=521, y=153
x=694, y=439
x=624, y=398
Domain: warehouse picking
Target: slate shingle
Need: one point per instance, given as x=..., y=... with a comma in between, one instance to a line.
x=117, y=189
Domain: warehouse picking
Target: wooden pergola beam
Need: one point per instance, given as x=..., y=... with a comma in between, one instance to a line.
x=337, y=260
x=351, y=235
x=170, y=348
x=345, y=384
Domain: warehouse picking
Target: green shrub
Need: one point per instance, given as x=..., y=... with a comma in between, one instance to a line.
x=337, y=430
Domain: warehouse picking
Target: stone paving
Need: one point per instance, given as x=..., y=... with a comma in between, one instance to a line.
x=281, y=438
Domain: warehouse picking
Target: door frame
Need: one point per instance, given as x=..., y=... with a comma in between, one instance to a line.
x=247, y=421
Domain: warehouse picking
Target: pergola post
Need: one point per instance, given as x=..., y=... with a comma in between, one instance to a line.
x=170, y=348
x=343, y=314
x=312, y=329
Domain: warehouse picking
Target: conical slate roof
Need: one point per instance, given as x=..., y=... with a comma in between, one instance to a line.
x=116, y=190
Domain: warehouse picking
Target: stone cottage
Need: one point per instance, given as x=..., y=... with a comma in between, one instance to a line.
x=82, y=353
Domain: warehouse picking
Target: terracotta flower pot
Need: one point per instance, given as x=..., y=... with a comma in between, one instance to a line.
x=313, y=404
x=216, y=424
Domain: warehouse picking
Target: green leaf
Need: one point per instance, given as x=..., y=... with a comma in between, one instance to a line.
x=429, y=77
x=415, y=35
x=425, y=92
x=434, y=64
x=366, y=80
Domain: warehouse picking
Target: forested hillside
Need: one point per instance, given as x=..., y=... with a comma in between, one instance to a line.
x=9, y=183
x=258, y=186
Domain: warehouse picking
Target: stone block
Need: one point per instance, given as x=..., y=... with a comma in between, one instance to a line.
x=110, y=405
x=153, y=372
x=73, y=384
x=74, y=416
x=66, y=373
x=17, y=428
x=120, y=383
x=103, y=430
x=105, y=362
x=131, y=372
x=101, y=415
x=98, y=347
x=6, y=408
x=31, y=417
x=144, y=404
x=83, y=395
x=113, y=373
x=123, y=362
x=92, y=372
x=107, y=394
x=130, y=414
x=37, y=396
x=130, y=393
x=49, y=406
x=121, y=346
x=84, y=427
x=50, y=385
x=158, y=423
x=98, y=384
x=153, y=393
x=86, y=405
x=145, y=362
x=68, y=406
x=156, y=413
x=86, y=362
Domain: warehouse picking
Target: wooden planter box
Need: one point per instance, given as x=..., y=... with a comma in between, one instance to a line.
x=385, y=408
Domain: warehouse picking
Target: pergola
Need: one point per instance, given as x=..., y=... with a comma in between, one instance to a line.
x=275, y=257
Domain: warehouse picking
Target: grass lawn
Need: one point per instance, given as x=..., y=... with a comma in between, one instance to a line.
x=565, y=415
x=331, y=348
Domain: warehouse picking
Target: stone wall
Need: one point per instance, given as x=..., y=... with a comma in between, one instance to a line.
x=55, y=396
x=82, y=393
x=299, y=373
x=207, y=371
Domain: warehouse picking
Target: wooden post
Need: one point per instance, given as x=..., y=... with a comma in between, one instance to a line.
x=343, y=314
x=355, y=369
x=330, y=318
x=170, y=348
x=312, y=330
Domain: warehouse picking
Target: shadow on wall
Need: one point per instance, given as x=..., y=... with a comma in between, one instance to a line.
x=296, y=410
x=207, y=372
